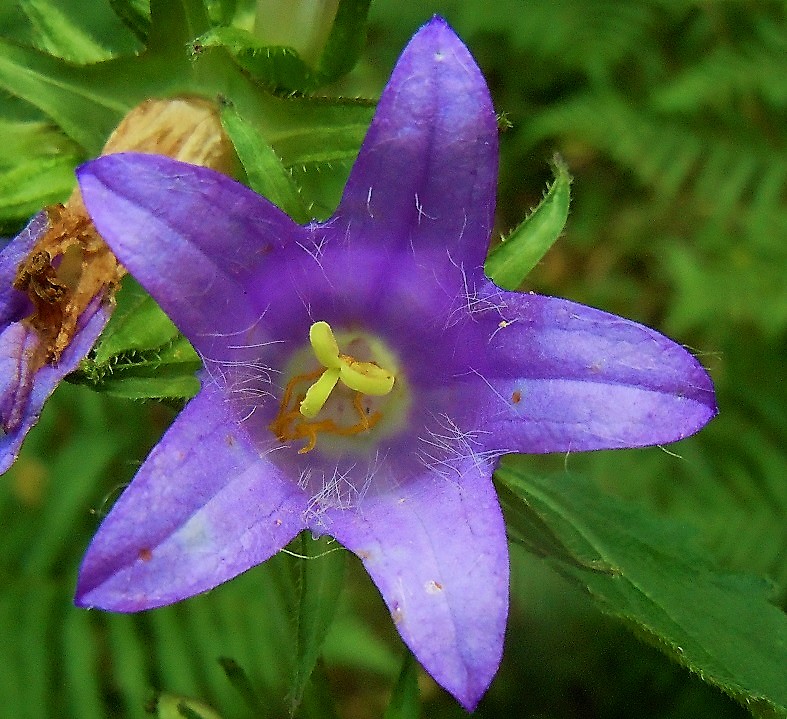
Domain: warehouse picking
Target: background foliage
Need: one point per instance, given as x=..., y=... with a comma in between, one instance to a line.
x=671, y=117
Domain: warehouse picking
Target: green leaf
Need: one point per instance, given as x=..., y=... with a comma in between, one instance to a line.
x=278, y=68
x=346, y=41
x=166, y=372
x=405, y=702
x=335, y=136
x=86, y=111
x=58, y=34
x=321, y=576
x=220, y=12
x=509, y=263
x=281, y=68
x=264, y=170
x=141, y=354
x=137, y=324
x=647, y=572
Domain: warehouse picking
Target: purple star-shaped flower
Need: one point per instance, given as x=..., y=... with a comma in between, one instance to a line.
x=27, y=375
x=362, y=376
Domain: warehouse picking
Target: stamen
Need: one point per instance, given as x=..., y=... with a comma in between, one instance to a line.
x=364, y=378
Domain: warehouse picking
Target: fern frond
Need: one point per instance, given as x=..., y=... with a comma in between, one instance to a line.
x=725, y=76
x=667, y=154
x=589, y=37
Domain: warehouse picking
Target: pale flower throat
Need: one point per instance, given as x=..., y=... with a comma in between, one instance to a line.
x=339, y=398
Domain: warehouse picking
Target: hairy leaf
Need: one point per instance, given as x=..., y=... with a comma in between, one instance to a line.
x=509, y=263
x=648, y=573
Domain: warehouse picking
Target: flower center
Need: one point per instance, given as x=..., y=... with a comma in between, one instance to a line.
x=341, y=396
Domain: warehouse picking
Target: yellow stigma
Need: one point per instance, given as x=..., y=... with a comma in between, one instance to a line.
x=363, y=378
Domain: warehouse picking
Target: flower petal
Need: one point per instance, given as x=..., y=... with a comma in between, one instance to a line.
x=436, y=548
x=427, y=171
x=558, y=376
x=204, y=507
x=191, y=236
x=14, y=304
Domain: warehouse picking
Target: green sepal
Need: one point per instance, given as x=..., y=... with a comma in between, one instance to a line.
x=509, y=263
x=277, y=68
x=265, y=172
x=647, y=572
x=405, y=702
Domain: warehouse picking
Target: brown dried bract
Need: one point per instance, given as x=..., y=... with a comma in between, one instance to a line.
x=69, y=265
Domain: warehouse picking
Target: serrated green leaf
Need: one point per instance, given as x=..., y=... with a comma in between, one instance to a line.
x=405, y=703
x=58, y=34
x=510, y=262
x=278, y=68
x=137, y=324
x=346, y=41
x=264, y=170
x=281, y=68
x=647, y=572
x=141, y=354
x=163, y=373
x=321, y=576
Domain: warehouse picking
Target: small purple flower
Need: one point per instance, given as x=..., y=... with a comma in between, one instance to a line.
x=362, y=376
x=28, y=374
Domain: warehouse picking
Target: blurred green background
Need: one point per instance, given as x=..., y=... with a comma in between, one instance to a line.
x=671, y=116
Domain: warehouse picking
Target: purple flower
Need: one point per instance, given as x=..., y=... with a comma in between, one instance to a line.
x=29, y=372
x=362, y=376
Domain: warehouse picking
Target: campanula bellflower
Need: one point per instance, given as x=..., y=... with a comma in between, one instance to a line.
x=362, y=376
